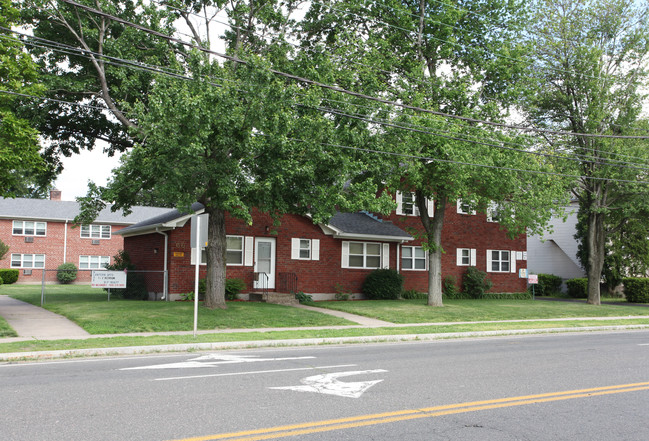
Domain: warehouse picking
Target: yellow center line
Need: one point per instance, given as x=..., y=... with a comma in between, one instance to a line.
x=411, y=414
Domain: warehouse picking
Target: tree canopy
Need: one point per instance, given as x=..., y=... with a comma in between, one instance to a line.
x=591, y=63
x=20, y=162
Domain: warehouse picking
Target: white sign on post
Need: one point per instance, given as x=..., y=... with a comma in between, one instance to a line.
x=533, y=279
x=108, y=279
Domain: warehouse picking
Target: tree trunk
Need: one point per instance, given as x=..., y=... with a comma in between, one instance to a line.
x=216, y=247
x=595, y=237
x=433, y=229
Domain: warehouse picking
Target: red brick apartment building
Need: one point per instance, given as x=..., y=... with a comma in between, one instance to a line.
x=322, y=259
x=41, y=235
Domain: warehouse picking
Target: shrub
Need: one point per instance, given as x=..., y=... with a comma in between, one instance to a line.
x=636, y=290
x=508, y=296
x=449, y=288
x=341, y=292
x=233, y=287
x=66, y=272
x=383, y=284
x=475, y=282
x=135, y=283
x=303, y=298
x=1, y=282
x=413, y=294
x=577, y=288
x=549, y=284
x=9, y=276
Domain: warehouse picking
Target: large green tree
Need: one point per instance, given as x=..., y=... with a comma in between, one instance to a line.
x=230, y=133
x=20, y=161
x=591, y=64
x=452, y=58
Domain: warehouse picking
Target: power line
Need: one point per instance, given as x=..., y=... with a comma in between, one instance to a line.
x=339, y=89
x=408, y=126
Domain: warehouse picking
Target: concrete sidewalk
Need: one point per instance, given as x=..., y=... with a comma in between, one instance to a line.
x=32, y=322
x=35, y=323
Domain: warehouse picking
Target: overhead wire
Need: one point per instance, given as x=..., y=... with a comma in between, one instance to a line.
x=340, y=89
x=375, y=121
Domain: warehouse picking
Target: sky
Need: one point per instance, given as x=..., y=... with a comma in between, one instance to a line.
x=87, y=166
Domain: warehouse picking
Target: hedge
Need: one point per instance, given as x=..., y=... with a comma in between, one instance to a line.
x=548, y=284
x=636, y=290
x=383, y=284
x=578, y=288
x=9, y=276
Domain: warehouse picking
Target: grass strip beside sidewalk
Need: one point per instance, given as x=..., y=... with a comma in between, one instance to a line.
x=126, y=341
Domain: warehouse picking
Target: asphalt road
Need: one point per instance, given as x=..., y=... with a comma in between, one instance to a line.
x=591, y=386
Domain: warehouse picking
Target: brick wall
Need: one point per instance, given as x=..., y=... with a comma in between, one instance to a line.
x=323, y=275
x=54, y=245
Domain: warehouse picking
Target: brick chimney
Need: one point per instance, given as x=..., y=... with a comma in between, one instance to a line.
x=55, y=195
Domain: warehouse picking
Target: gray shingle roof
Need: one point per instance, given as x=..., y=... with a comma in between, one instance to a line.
x=48, y=210
x=348, y=224
x=365, y=224
x=168, y=216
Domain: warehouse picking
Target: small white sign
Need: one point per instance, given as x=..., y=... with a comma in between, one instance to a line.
x=519, y=255
x=533, y=279
x=108, y=279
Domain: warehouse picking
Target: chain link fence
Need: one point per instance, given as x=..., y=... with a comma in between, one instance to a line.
x=140, y=284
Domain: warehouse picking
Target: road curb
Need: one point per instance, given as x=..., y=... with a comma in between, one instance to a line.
x=184, y=347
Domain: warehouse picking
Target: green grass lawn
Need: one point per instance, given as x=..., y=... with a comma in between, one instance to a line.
x=6, y=330
x=89, y=308
x=416, y=311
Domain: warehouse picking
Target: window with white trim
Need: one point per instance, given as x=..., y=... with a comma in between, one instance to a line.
x=407, y=204
x=28, y=260
x=29, y=228
x=94, y=231
x=464, y=207
x=466, y=257
x=305, y=249
x=413, y=258
x=93, y=262
x=364, y=255
x=234, y=252
x=499, y=261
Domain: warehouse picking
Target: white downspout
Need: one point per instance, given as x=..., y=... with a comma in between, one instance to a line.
x=165, y=279
x=398, y=255
x=65, y=242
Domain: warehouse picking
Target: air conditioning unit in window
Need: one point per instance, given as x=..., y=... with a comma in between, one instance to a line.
x=27, y=272
x=95, y=242
x=29, y=239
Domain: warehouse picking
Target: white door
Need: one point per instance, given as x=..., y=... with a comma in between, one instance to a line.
x=265, y=262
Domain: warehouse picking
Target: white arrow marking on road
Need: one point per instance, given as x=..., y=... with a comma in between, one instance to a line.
x=329, y=384
x=213, y=360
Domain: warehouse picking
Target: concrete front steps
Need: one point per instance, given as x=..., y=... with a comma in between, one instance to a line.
x=278, y=298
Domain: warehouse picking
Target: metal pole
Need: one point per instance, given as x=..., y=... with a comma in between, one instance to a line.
x=43, y=288
x=108, y=295
x=198, y=264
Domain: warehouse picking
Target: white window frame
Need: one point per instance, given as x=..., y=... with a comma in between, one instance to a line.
x=468, y=253
x=94, y=262
x=461, y=205
x=299, y=245
x=87, y=231
x=384, y=254
x=33, y=261
x=235, y=250
x=246, y=252
x=511, y=260
x=22, y=228
x=403, y=202
x=413, y=258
